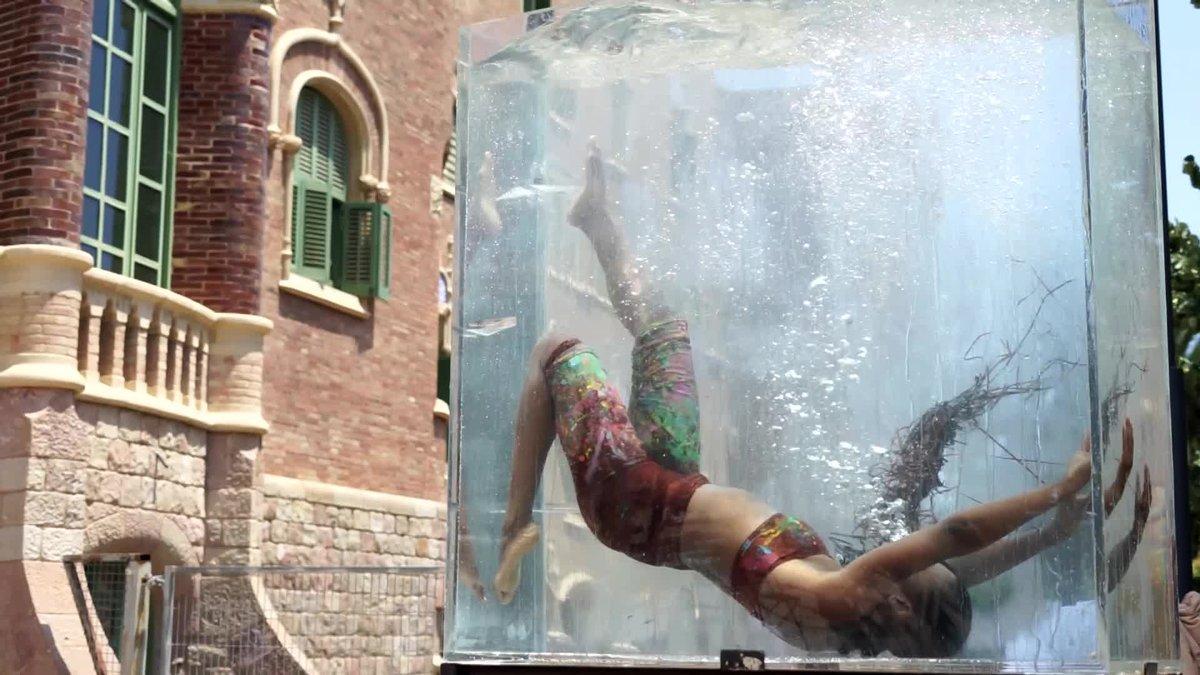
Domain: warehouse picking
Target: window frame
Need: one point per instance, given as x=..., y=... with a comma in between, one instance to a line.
x=368, y=273
x=167, y=14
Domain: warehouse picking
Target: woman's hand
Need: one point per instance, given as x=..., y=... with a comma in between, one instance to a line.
x=1113, y=494
x=1145, y=499
x=1070, y=512
x=1079, y=470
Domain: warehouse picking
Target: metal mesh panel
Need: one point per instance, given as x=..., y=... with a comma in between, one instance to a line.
x=111, y=596
x=301, y=619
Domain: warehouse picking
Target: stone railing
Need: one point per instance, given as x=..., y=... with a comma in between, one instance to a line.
x=126, y=343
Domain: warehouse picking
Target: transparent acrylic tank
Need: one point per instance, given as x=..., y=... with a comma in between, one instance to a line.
x=859, y=207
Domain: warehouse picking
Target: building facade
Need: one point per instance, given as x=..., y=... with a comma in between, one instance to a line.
x=223, y=229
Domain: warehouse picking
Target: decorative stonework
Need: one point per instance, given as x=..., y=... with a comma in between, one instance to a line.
x=369, y=138
x=125, y=343
x=266, y=9
x=337, y=14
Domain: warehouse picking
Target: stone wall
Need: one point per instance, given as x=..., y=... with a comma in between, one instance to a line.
x=378, y=621
x=140, y=464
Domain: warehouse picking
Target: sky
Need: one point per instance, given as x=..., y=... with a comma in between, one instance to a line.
x=1179, y=33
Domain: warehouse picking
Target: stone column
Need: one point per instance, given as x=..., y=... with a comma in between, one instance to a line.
x=40, y=301
x=43, y=113
x=235, y=373
x=222, y=153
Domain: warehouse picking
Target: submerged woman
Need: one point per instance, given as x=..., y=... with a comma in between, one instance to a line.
x=637, y=480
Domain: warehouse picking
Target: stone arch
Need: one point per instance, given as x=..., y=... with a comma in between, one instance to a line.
x=326, y=61
x=359, y=128
x=137, y=532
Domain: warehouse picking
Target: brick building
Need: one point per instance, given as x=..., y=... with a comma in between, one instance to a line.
x=223, y=224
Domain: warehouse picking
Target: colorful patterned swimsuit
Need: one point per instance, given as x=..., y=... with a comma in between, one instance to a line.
x=635, y=470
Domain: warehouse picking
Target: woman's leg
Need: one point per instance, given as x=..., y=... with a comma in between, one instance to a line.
x=663, y=404
x=637, y=303
x=533, y=437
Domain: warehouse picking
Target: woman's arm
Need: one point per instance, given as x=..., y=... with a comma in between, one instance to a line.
x=1120, y=558
x=970, y=530
x=1006, y=554
x=1113, y=494
x=984, y=565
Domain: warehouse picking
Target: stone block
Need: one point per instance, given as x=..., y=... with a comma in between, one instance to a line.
x=103, y=486
x=76, y=512
x=130, y=427
x=278, y=531
x=20, y=542
x=420, y=527
x=237, y=533
x=98, y=452
x=131, y=457
x=345, y=518
x=35, y=479
x=45, y=508
x=362, y=520
x=402, y=524
x=379, y=522
x=108, y=422
x=58, y=543
x=231, y=502
x=64, y=475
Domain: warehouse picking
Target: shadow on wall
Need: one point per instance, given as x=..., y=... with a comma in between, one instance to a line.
x=310, y=313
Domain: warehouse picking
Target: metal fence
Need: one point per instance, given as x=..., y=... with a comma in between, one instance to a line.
x=112, y=596
x=283, y=620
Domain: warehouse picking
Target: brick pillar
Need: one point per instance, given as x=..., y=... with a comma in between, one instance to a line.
x=43, y=108
x=222, y=160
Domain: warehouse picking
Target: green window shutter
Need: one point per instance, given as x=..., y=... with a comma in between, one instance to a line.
x=306, y=129
x=311, y=215
x=321, y=176
x=366, y=250
x=383, y=253
x=358, y=262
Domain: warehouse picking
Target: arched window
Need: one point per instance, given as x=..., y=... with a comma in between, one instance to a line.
x=334, y=239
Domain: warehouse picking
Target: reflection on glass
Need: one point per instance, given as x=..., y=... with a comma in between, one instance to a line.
x=119, y=74
x=114, y=226
x=91, y=217
x=148, y=221
x=122, y=36
x=96, y=79
x=116, y=154
x=94, y=154
x=100, y=18
x=153, y=137
x=157, y=59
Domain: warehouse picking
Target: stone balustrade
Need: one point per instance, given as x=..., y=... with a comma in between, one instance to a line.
x=126, y=343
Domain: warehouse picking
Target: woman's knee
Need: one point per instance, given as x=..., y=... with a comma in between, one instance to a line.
x=549, y=347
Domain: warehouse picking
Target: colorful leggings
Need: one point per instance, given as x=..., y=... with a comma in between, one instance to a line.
x=634, y=469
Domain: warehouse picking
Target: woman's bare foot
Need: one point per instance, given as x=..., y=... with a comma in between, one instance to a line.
x=590, y=213
x=508, y=576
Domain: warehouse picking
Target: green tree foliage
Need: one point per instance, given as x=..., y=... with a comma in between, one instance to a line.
x=1185, y=307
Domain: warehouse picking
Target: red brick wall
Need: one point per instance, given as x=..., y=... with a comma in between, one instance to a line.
x=44, y=54
x=221, y=175
x=350, y=401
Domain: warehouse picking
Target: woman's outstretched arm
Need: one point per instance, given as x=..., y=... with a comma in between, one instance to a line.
x=970, y=530
x=1007, y=553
